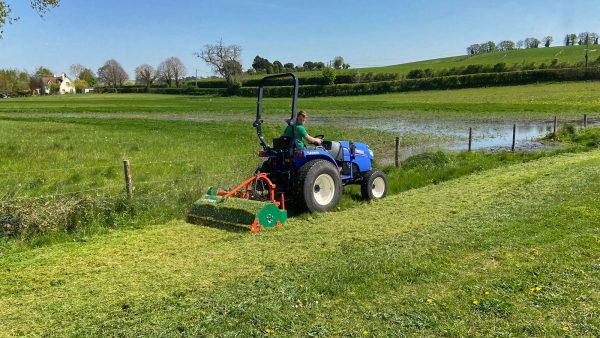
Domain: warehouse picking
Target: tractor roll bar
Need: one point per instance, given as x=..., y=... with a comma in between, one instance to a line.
x=292, y=122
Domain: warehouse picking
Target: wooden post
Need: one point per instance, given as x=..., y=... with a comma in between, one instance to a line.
x=470, y=138
x=397, y=151
x=555, y=120
x=128, y=184
x=585, y=120
x=514, y=137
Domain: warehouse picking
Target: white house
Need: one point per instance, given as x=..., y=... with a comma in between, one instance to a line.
x=66, y=84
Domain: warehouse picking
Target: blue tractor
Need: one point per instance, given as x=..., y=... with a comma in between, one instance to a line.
x=309, y=179
x=312, y=178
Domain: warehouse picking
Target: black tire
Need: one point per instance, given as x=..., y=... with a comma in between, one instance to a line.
x=309, y=195
x=374, y=185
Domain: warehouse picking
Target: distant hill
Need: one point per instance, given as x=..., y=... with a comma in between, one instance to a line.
x=570, y=54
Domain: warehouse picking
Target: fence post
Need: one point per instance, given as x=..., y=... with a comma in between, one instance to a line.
x=555, y=120
x=514, y=137
x=397, y=151
x=585, y=120
x=128, y=184
x=470, y=138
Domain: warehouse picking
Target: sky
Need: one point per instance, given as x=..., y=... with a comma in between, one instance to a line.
x=364, y=33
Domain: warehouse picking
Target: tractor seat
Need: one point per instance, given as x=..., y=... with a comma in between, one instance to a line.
x=282, y=143
x=335, y=149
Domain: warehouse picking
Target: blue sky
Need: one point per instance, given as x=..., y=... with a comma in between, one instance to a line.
x=365, y=33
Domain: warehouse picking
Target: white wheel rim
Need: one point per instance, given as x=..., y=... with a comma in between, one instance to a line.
x=323, y=189
x=378, y=187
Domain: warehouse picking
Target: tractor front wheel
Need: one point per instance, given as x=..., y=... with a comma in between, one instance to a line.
x=373, y=185
x=318, y=186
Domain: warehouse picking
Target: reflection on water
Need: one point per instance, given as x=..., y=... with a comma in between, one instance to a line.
x=452, y=134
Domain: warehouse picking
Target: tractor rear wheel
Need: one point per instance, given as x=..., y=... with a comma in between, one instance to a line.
x=373, y=185
x=318, y=186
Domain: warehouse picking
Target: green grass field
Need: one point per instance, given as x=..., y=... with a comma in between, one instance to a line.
x=570, y=55
x=510, y=252
x=467, y=244
x=530, y=101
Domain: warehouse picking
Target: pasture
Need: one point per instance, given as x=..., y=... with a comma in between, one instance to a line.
x=466, y=244
x=515, y=102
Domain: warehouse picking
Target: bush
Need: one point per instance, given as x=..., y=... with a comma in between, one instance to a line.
x=328, y=76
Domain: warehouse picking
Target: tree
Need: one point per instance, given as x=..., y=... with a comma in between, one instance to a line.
x=54, y=87
x=88, y=76
x=338, y=61
x=82, y=73
x=520, y=44
x=506, y=45
x=532, y=43
x=345, y=66
x=172, y=69
x=42, y=71
x=288, y=66
x=41, y=6
x=224, y=60
x=308, y=65
x=586, y=37
x=112, y=74
x=146, y=74
x=76, y=69
x=490, y=47
x=567, y=40
x=328, y=76
x=573, y=38
x=277, y=66
x=80, y=85
x=14, y=82
x=261, y=64
x=547, y=41
x=234, y=71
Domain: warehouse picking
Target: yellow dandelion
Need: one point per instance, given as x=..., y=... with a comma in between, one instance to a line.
x=268, y=331
x=487, y=293
x=475, y=302
x=301, y=286
x=536, y=289
x=566, y=328
x=429, y=300
x=365, y=333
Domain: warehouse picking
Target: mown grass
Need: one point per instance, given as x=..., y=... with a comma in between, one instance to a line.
x=515, y=102
x=462, y=258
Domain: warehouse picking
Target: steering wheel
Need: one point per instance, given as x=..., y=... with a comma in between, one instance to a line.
x=320, y=136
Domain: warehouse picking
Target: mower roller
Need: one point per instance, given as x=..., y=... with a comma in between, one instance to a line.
x=308, y=178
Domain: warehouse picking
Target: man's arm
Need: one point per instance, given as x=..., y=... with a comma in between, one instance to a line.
x=313, y=139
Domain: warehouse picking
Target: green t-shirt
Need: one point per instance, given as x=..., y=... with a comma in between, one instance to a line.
x=300, y=134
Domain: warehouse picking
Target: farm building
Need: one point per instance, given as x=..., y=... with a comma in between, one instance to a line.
x=57, y=84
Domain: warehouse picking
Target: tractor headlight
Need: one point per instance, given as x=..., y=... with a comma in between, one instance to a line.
x=371, y=153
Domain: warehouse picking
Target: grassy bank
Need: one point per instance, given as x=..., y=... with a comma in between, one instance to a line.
x=480, y=255
x=523, y=102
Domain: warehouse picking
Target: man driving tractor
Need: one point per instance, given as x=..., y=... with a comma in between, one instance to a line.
x=301, y=131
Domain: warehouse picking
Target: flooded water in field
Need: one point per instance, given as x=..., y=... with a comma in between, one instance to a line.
x=453, y=134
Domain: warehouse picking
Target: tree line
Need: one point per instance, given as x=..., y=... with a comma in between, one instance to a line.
x=531, y=42
x=262, y=65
